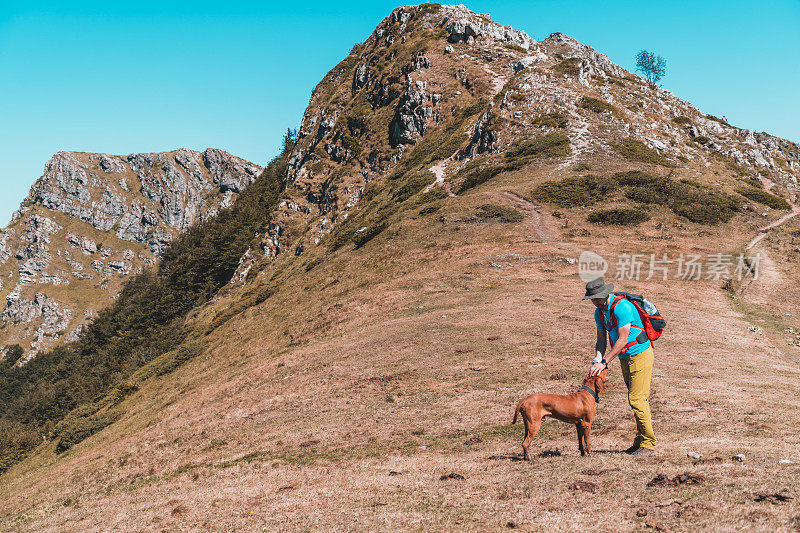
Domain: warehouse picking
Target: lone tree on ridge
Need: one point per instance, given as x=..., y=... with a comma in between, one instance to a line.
x=652, y=66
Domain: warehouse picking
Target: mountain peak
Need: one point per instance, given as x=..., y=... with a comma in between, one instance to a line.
x=91, y=220
x=438, y=87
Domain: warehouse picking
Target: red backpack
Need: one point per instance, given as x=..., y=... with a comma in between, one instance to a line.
x=652, y=320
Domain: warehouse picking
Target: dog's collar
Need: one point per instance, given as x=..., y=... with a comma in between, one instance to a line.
x=594, y=393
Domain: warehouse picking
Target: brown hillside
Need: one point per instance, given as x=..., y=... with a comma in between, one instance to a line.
x=422, y=279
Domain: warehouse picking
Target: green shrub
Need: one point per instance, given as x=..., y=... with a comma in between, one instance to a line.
x=15, y=441
x=412, y=184
x=313, y=264
x=551, y=120
x=619, y=216
x=569, y=66
x=636, y=177
x=351, y=143
x=431, y=7
x=477, y=176
x=553, y=144
x=645, y=195
x=752, y=181
x=474, y=108
x=341, y=234
x=363, y=236
x=701, y=139
x=685, y=198
x=12, y=355
x=499, y=212
x=73, y=430
x=429, y=209
x=700, y=204
x=581, y=167
x=763, y=197
x=435, y=193
x=515, y=47
x=573, y=192
x=682, y=120
x=636, y=150
x=598, y=106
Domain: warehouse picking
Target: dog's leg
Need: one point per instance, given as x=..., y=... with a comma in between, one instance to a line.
x=531, y=429
x=587, y=437
x=579, y=427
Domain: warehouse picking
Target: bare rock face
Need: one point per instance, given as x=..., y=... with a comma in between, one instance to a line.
x=412, y=115
x=90, y=221
x=172, y=189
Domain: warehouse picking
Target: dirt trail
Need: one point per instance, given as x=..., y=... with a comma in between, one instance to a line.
x=579, y=141
x=438, y=170
x=537, y=221
x=771, y=282
x=763, y=231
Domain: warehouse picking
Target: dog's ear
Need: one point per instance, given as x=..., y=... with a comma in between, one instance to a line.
x=600, y=382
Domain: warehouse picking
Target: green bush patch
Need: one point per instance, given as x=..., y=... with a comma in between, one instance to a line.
x=569, y=66
x=645, y=195
x=619, y=216
x=481, y=175
x=682, y=120
x=598, y=106
x=701, y=139
x=701, y=204
x=73, y=430
x=499, y=212
x=553, y=144
x=436, y=193
x=573, y=192
x=412, y=184
x=685, y=198
x=363, y=236
x=763, y=197
x=551, y=120
x=636, y=177
x=429, y=209
x=635, y=150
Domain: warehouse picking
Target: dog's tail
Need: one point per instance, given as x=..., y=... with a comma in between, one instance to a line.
x=516, y=411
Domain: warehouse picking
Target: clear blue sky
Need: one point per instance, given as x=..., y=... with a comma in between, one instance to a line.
x=123, y=77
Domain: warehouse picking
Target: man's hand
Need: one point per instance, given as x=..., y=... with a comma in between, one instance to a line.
x=597, y=368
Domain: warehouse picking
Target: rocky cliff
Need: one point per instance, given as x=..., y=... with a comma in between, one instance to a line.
x=92, y=220
x=440, y=89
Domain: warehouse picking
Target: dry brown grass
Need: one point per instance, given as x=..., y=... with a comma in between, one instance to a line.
x=340, y=402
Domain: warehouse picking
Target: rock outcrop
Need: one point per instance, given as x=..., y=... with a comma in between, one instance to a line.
x=90, y=221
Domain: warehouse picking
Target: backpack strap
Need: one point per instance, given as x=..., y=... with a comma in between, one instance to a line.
x=618, y=297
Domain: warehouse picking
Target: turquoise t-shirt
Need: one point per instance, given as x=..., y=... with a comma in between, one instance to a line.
x=624, y=313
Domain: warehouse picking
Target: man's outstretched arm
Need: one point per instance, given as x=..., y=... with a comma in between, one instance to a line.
x=600, y=345
x=622, y=340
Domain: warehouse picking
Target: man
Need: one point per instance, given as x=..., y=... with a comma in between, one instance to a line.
x=618, y=319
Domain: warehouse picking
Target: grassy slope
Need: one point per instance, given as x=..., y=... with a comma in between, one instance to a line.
x=403, y=350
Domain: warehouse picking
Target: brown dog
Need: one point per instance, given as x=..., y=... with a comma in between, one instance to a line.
x=576, y=408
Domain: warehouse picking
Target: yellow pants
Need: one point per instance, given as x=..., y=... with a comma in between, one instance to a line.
x=637, y=371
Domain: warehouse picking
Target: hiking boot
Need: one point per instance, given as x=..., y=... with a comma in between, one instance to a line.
x=644, y=452
x=632, y=449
